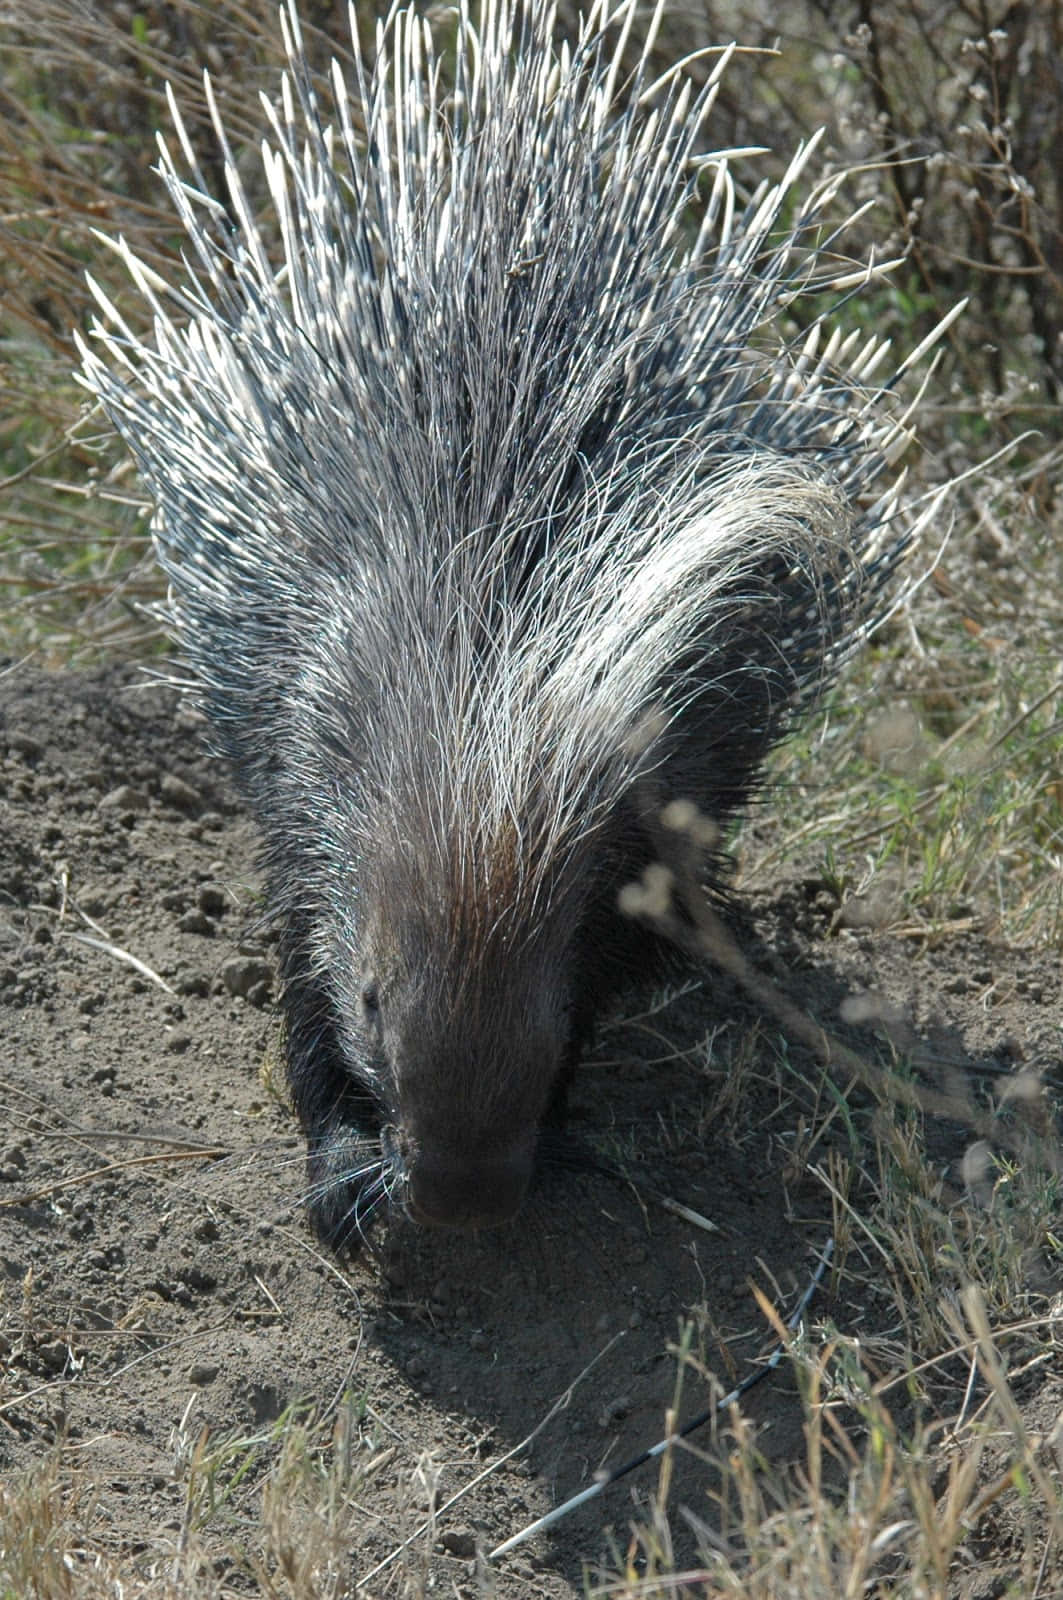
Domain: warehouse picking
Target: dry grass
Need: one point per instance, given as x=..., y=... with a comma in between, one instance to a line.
x=932, y=792
x=923, y=1461
x=874, y=1508
x=273, y=1513
x=920, y=1467
x=81, y=92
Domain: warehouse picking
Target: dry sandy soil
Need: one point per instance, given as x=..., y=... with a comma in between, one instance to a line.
x=160, y=1286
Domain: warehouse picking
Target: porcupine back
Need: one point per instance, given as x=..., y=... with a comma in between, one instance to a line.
x=494, y=499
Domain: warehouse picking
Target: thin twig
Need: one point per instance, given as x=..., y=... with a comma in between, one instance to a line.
x=688, y=1428
x=560, y=1404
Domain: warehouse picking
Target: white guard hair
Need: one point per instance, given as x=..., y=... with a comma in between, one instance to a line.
x=493, y=405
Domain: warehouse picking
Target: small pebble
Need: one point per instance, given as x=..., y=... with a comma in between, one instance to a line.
x=175, y=792
x=54, y=1356
x=460, y=1542
x=241, y=974
x=615, y=1410
x=212, y=900
x=124, y=798
x=195, y=983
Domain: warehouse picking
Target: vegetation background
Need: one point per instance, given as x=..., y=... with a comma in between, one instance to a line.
x=936, y=770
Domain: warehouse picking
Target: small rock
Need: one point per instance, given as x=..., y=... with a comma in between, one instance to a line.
x=876, y=909
x=202, y=1373
x=241, y=974
x=196, y=983
x=54, y=1356
x=460, y=1542
x=179, y=794
x=615, y=1411
x=124, y=798
x=212, y=900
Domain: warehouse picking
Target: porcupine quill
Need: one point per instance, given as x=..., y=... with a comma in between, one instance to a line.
x=500, y=502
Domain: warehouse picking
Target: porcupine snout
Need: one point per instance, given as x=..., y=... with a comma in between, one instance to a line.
x=472, y=1044
x=461, y=1190
x=463, y=1143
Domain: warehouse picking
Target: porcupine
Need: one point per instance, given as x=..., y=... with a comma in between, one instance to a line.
x=500, y=504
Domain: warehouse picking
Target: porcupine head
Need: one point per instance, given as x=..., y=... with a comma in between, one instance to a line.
x=444, y=952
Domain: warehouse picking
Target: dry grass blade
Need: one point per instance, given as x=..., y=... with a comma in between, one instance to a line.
x=927, y=802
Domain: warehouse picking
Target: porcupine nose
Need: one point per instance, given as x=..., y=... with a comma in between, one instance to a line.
x=443, y=1194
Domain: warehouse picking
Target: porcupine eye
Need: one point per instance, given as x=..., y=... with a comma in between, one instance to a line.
x=371, y=1000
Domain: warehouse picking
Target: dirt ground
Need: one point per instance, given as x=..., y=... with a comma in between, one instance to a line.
x=157, y=1275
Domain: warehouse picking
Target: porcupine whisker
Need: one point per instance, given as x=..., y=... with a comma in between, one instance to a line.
x=491, y=500
x=366, y=1199
x=371, y=1200
x=361, y=1190
x=345, y=1177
